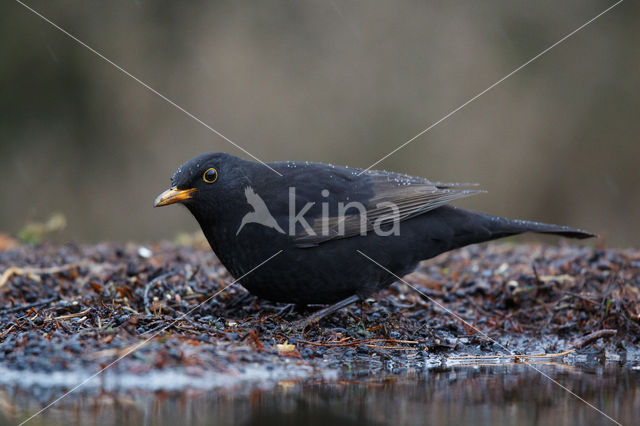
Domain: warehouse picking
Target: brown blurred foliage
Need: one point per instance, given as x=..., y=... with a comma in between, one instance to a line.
x=340, y=81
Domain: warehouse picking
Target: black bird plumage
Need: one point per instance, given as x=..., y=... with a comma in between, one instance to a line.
x=326, y=267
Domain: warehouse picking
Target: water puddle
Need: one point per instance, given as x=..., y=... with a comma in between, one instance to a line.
x=474, y=393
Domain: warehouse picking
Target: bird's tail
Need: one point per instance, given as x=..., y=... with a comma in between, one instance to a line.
x=502, y=227
x=451, y=228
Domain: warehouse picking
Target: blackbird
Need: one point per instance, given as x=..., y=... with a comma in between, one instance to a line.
x=318, y=216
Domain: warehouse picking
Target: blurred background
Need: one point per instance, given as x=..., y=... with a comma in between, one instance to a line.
x=340, y=81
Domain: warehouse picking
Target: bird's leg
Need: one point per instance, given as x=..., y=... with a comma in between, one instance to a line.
x=363, y=317
x=318, y=315
x=283, y=311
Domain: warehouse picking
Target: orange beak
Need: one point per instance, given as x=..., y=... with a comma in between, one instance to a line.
x=173, y=195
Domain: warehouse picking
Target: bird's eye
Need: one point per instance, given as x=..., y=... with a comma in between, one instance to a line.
x=210, y=176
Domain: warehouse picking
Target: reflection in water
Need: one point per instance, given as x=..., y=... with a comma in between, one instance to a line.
x=514, y=394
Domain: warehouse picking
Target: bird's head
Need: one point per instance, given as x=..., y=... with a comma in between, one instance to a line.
x=205, y=182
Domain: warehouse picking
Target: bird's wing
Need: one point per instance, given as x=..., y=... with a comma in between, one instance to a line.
x=395, y=197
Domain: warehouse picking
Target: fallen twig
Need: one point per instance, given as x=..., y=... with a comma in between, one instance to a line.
x=7, y=331
x=358, y=342
x=515, y=357
x=580, y=343
x=28, y=306
x=393, y=348
x=69, y=316
x=15, y=270
x=148, y=287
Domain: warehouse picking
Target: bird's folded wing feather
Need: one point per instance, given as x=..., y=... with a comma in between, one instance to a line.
x=396, y=198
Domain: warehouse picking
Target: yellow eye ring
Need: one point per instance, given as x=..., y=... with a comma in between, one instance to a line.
x=210, y=175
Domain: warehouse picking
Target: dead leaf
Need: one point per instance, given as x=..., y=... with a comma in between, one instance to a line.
x=557, y=278
x=284, y=348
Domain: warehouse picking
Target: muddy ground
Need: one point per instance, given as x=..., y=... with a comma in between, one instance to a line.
x=69, y=308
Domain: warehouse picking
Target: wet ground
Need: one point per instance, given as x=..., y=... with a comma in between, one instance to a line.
x=522, y=313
